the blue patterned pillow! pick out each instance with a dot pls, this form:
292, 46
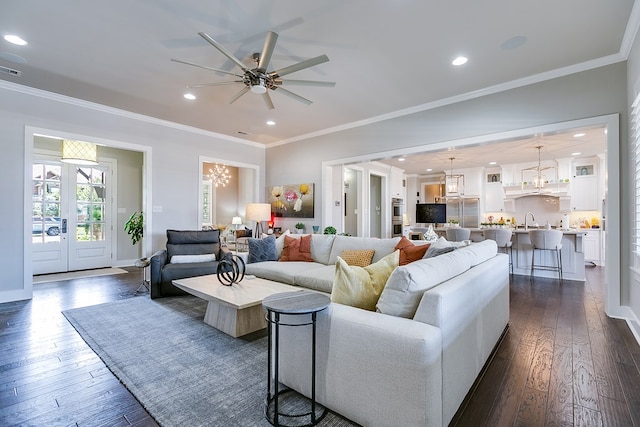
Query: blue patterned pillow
262, 250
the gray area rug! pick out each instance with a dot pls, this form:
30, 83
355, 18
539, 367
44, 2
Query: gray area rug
184, 372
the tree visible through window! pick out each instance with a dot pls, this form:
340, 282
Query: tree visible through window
90, 204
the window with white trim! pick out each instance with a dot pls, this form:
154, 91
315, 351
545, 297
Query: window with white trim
635, 141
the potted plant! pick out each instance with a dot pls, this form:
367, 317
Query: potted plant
329, 230
300, 228
135, 227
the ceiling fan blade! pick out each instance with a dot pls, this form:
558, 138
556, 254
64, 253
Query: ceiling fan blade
239, 94
299, 66
267, 100
224, 51
293, 95
267, 50
215, 84
305, 83
207, 68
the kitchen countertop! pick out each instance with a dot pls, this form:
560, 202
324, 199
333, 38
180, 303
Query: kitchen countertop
522, 230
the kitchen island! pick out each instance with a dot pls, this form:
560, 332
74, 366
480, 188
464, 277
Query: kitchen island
573, 267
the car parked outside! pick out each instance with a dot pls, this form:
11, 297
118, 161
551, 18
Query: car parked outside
51, 225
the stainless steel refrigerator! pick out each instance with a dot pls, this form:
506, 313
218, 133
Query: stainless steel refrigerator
465, 210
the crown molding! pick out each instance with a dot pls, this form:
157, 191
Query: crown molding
43, 94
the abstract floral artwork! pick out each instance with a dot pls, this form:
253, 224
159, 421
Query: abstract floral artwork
291, 201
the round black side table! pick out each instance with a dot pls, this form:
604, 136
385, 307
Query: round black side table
297, 303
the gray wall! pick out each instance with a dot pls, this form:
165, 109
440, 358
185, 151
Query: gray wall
173, 162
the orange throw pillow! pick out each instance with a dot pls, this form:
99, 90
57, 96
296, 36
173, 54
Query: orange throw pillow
297, 249
410, 252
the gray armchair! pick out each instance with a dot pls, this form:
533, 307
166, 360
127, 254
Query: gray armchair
184, 245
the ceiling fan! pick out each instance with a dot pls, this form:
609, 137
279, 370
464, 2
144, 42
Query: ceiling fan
258, 79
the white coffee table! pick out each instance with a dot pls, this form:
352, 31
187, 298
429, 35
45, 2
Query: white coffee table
235, 310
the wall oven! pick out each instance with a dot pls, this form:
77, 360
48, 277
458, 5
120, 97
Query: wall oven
397, 209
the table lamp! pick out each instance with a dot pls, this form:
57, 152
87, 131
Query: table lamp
258, 212
236, 221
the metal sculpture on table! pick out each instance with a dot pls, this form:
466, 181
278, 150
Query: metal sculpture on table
231, 270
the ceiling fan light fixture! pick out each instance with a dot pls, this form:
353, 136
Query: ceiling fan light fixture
259, 87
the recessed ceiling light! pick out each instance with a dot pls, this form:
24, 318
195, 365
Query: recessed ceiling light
460, 60
575, 154
578, 135
493, 163
401, 159
429, 170
271, 123
189, 96
11, 38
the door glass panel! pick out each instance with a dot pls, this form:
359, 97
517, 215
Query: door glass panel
90, 207
45, 203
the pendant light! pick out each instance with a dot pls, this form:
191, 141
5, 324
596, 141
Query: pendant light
453, 183
219, 175
79, 152
539, 179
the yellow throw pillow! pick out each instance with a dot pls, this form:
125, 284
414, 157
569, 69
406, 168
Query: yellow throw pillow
357, 257
361, 286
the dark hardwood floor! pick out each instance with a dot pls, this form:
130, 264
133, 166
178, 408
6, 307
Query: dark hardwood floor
562, 361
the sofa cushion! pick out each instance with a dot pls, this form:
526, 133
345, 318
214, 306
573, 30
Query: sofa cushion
361, 286
319, 279
192, 242
321, 247
277, 271
383, 247
357, 257
296, 249
410, 252
480, 252
407, 283
180, 271
262, 250
185, 259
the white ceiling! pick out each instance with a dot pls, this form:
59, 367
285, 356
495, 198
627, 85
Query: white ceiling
385, 56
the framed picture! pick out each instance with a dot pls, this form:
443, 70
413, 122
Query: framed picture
277, 230
493, 177
584, 170
291, 200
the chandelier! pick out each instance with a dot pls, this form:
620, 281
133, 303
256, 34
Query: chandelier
453, 183
219, 175
539, 178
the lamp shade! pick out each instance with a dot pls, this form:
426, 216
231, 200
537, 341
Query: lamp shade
258, 211
236, 220
79, 152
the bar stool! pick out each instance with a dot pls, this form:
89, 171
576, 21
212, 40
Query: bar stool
502, 236
458, 234
546, 240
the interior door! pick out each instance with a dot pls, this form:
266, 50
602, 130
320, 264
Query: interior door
70, 216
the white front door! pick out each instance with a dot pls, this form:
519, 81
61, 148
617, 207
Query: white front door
70, 216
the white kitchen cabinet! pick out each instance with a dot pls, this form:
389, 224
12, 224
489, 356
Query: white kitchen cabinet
591, 246
398, 183
493, 197
584, 193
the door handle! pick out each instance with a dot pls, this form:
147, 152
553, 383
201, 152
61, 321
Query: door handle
64, 225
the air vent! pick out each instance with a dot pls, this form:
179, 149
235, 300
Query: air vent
241, 132
11, 71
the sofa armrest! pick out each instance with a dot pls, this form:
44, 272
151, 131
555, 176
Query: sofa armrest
365, 360
158, 260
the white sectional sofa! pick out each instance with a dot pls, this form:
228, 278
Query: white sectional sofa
413, 361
